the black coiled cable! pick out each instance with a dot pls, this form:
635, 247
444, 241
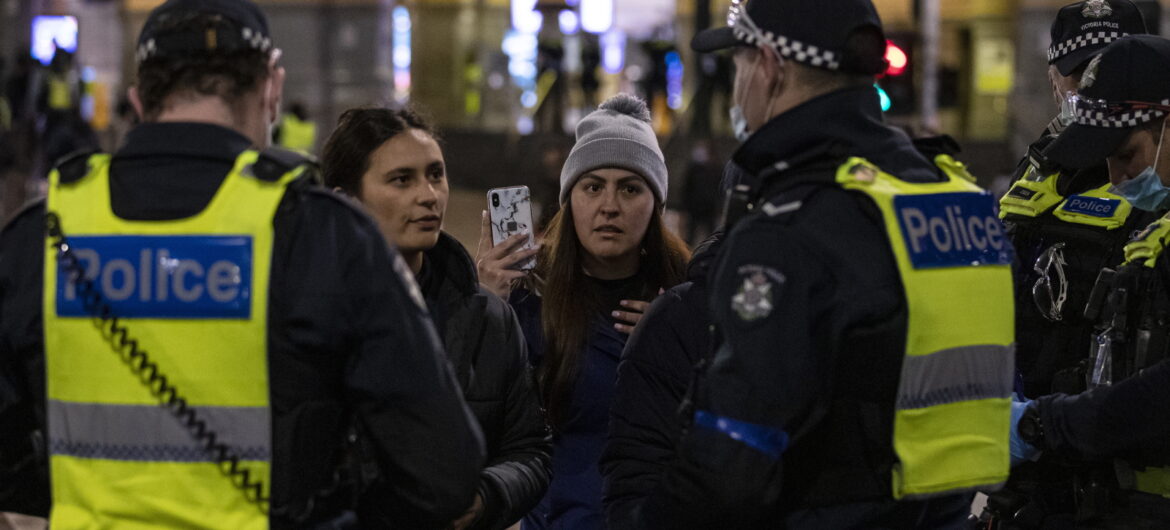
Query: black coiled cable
149, 373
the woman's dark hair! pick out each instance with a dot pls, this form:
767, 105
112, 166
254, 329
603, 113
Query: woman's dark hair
568, 302
225, 75
359, 132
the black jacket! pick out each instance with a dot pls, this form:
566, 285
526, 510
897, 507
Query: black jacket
657, 368
346, 344
819, 364
490, 358
1132, 415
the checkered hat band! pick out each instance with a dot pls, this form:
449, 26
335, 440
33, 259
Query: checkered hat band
1057, 51
1096, 118
252, 39
792, 49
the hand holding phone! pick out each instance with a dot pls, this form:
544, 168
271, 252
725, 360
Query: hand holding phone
506, 246
511, 215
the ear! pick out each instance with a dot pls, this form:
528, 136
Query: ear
274, 93
774, 67
136, 102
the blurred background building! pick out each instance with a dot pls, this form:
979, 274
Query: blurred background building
507, 79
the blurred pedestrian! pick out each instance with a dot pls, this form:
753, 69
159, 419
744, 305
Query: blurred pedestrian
391, 161
297, 130
195, 335
606, 254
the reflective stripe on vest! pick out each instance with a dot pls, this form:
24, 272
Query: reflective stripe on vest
296, 134
952, 411
193, 292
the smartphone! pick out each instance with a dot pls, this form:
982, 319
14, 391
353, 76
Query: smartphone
510, 211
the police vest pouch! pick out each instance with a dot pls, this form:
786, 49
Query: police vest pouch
194, 293
952, 407
1029, 197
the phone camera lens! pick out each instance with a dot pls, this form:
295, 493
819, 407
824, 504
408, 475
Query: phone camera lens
496, 199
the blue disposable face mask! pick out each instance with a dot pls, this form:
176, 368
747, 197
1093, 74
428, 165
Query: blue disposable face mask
739, 121
1146, 191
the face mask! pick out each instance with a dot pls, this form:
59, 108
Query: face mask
1146, 191
739, 122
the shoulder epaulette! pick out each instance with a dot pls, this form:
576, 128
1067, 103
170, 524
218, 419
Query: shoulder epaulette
73, 166
275, 162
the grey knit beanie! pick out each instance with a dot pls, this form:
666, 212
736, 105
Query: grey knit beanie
617, 135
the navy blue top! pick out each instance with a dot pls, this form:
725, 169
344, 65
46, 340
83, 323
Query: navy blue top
573, 500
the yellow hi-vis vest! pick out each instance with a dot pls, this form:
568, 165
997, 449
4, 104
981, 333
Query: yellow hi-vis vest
952, 412
296, 134
194, 293
1033, 197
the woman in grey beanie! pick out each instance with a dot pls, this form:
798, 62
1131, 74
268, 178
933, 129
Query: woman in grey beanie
605, 254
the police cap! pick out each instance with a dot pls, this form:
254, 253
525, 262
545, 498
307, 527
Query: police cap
230, 26
1085, 28
838, 35
1126, 86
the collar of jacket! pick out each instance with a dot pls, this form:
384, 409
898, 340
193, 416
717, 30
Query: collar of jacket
451, 271
183, 139
704, 257
839, 124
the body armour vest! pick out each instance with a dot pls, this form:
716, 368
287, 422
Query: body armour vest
193, 295
950, 431
1061, 244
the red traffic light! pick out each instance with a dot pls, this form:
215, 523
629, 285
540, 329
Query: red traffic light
897, 58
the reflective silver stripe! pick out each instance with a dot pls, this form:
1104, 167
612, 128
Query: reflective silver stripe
959, 374
153, 434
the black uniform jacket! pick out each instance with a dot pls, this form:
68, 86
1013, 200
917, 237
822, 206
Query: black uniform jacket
812, 318
346, 342
656, 370
490, 358
1130, 416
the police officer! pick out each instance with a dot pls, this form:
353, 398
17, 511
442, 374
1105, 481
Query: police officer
1121, 116
1065, 224
864, 366
191, 329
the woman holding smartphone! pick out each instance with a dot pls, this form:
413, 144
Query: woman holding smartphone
391, 162
604, 256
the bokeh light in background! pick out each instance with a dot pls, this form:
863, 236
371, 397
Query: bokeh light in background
402, 54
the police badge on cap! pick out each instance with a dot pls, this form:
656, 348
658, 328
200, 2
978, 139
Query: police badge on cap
1083, 29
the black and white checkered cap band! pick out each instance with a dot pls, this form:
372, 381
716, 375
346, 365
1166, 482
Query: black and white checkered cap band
1133, 118
255, 40
790, 48
1057, 51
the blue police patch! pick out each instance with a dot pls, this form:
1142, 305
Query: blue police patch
163, 276
952, 230
1091, 206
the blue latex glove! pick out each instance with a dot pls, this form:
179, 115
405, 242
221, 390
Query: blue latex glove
1021, 451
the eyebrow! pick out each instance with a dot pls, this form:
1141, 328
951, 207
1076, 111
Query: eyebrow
624, 180
408, 170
